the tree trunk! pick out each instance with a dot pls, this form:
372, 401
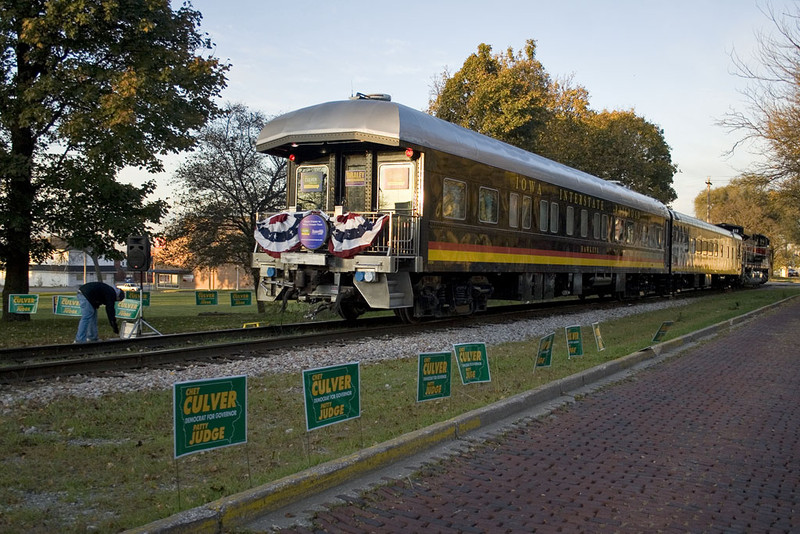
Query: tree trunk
98, 272
19, 185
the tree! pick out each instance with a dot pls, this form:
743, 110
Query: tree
512, 98
626, 148
98, 211
752, 201
502, 96
226, 184
118, 83
771, 118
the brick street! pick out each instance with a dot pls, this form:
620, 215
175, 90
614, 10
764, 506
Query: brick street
704, 442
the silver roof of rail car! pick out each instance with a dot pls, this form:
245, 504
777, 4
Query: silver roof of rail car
699, 223
393, 124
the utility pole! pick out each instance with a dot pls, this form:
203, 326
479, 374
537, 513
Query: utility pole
708, 199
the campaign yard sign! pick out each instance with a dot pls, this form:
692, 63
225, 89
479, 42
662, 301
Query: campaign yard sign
209, 414
598, 338
127, 309
26, 304
662, 331
433, 376
332, 394
574, 341
544, 356
473, 362
205, 298
64, 305
241, 298
134, 295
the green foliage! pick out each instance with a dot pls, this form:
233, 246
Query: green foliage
760, 206
226, 183
109, 83
512, 98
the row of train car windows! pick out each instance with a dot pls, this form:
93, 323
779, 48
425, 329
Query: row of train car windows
520, 215
703, 247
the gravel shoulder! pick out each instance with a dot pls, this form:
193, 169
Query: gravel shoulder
368, 350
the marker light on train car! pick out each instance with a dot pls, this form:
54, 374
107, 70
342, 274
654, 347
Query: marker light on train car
365, 276
270, 271
292, 157
409, 152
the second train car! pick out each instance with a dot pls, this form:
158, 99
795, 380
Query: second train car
391, 208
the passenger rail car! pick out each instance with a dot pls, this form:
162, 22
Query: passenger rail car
391, 208
756, 255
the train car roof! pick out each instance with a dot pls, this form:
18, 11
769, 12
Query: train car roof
699, 223
393, 124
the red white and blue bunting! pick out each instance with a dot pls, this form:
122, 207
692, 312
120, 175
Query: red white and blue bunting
352, 233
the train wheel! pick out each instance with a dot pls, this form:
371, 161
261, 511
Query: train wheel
349, 308
406, 315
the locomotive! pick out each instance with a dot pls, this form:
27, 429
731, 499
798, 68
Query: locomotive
391, 208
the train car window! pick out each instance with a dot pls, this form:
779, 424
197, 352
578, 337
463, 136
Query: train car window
646, 236
596, 226
584, 223
312, 189
454, 199
527, 212
570, 220
619, 229
355, 183
395, 185
629, 232
513, 210
604, 227
488, 200
554, 217
544, 218
693, 246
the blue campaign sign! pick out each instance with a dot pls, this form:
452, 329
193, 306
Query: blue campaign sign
313, 230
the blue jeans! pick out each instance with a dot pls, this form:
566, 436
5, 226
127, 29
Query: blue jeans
87, 327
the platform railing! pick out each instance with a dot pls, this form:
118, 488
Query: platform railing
399, 237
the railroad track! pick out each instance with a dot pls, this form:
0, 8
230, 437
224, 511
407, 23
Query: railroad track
51, 361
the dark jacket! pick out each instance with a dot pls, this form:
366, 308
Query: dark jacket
100, 294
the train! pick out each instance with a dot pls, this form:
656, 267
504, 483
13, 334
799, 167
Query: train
390, 208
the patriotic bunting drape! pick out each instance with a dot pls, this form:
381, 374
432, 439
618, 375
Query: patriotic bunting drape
351, 233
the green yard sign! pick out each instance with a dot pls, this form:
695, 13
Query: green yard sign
473, 362
332, 394
544, 356
134, 295
433, 377
598, 339
64, 305
25, 304
209, 414
205, 298
127, 309
662, 331
574, 341
241, 298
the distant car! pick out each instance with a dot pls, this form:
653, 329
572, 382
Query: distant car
128, 286
791, 272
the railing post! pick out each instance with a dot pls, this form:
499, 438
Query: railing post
391, 234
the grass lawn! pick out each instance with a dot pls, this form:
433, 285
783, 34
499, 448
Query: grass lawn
105, 464
169, 312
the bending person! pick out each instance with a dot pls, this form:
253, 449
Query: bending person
92, 296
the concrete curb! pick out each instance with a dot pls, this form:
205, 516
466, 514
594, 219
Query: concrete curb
236, 510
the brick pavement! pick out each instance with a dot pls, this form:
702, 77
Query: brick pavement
704, 442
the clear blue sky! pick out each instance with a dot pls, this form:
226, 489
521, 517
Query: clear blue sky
669, 61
